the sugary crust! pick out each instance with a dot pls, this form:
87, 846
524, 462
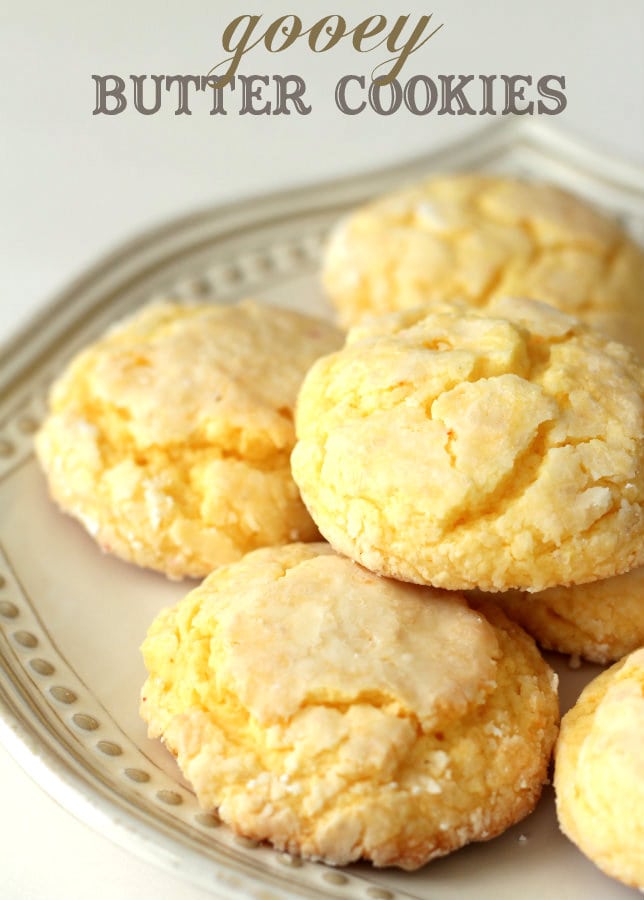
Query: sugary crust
169, 438
366, 742
476, 238
470, 450
599, 771
601, 621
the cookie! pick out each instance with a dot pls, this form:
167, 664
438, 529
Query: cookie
343, 716
599, 771
479, 237
470, 450
169, 438
601, 621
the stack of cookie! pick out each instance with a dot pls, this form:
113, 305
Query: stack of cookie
464, 453
477, 240
484, 243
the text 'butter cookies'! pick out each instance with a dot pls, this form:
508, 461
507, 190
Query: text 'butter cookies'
339, 715
471, 450
169, 438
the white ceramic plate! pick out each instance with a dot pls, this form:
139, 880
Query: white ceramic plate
71, 619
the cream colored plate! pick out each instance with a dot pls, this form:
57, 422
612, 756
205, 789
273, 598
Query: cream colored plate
71, 620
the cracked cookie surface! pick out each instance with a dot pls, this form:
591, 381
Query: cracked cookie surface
476, 238
169, 438
340, 715
601, 621
599, 771
469, 450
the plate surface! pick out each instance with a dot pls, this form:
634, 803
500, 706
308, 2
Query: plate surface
71, 619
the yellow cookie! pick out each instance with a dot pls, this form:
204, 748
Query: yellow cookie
599, 771
472, 450
479, 237
600, 621
169, 438
340, 715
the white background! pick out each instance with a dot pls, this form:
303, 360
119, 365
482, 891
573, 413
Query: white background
74, 185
